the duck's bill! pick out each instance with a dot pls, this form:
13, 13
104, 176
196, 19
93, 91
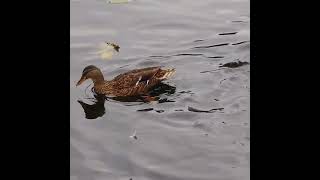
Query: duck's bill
81, 81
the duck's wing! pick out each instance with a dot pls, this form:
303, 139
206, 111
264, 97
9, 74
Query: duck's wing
135, 77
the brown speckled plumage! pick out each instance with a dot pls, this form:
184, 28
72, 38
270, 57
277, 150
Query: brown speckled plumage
132, 83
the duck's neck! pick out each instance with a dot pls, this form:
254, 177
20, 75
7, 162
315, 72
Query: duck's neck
97, 80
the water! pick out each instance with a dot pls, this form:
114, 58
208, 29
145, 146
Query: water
174, 140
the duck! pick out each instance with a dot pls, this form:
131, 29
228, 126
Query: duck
137, 82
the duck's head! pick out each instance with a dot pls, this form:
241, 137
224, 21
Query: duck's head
91, 72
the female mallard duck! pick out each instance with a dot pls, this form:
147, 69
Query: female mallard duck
133, 83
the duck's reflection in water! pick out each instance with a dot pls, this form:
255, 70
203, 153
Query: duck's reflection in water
97, 109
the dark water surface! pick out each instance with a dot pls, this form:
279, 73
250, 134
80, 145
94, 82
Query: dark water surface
200, 128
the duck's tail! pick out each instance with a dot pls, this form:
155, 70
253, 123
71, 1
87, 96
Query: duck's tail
166, 74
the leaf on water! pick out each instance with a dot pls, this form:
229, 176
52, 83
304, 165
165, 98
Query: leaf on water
107, 50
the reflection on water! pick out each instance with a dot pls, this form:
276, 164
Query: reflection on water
97, 109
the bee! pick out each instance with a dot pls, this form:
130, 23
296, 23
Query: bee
107, 50
116, 47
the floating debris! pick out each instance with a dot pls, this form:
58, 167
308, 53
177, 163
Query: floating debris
108, 50
204, 111
234, 64
134, 135
159, 111
216, 99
